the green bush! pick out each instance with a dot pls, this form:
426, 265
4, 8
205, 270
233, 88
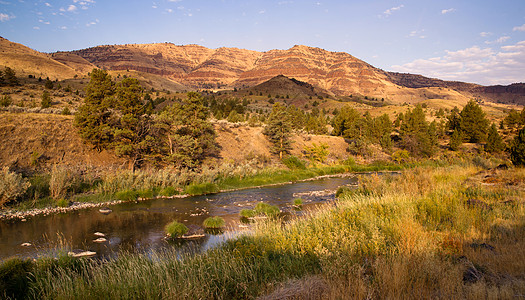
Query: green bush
294, 163
169, 191
175, 229
214, 222
15, 277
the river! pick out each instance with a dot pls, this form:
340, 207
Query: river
139, 226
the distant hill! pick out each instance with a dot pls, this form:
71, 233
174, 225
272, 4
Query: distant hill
283, 86
191, 67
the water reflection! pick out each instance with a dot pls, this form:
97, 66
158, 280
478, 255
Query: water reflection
140, 226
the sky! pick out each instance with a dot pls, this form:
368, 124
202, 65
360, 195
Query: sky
465, 40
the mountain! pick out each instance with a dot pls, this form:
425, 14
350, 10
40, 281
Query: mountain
283, 86
187, 67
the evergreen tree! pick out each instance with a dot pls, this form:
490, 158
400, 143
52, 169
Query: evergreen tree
10, 77
417, 136
474, 125
517, 150
46, 100
131, 129
94, 118
453, 119
455, 140
184, 137
494, 140
345, 123
278, 130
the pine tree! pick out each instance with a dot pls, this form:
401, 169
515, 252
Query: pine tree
279, 130
517, 150
474, 125
10, 77
453, 119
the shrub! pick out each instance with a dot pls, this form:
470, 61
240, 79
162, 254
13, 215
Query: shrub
60, 181
14, 278
298, 202
401, 156
12, 186
62, 203
294, 163
214, 222
169, 191
66, 111
517, 151
5, 101
175, 229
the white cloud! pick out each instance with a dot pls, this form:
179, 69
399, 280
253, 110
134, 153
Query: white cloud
169, 10
6, 17
417, 33
262, 11
36, 28
71, 8
389, 11
63, 27
92, 23
499, 40
174, 0
154, 6
47, 4
446, 11
519, 28
487, 66
485, 34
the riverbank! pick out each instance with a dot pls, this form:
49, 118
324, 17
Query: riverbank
263, 178
431, 232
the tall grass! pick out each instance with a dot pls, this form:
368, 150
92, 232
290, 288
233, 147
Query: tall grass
415, 235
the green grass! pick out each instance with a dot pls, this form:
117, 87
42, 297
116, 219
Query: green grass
175, 229
214, 222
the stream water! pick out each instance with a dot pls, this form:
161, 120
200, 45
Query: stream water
140, 226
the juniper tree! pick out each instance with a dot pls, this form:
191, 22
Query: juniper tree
279, 130
45, 100
517, 150
474, 125
494, 140
417, 136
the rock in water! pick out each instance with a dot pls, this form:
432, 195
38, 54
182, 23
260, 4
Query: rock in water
99, 234
105, 210
26, 245
100, 240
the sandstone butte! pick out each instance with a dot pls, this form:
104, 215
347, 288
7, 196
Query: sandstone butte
197, 67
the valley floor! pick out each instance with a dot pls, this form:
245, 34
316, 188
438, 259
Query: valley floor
455, 231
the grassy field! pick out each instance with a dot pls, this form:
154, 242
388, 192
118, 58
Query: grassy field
454, 231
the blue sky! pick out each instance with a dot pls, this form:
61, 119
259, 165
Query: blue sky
473, 41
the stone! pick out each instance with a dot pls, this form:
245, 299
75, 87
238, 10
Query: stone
99, 234
82, 254
100, 240
26, 245
105, 211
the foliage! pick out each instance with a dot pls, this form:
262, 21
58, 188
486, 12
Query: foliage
60, 181
234, 117
316, 152
456, 140
247, 213
15, 278
401, 156
184, 137
515, 119
474, 125
94, 117
297, 201
45, 100
175, 229
48, 84
454, 119
294, 163
12, 186
202, 188
214, 222
9, 77
494, 141
417, 136
278, 130
62, 202
517, 150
